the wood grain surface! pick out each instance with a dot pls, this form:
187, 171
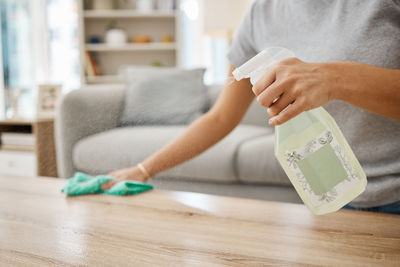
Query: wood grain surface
45, 148
39, 226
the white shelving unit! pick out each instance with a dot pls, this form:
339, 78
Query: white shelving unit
110, 58
131, 47
127, 14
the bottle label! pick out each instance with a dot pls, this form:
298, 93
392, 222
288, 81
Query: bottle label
322, 169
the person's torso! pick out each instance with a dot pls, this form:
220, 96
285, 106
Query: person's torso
364, 31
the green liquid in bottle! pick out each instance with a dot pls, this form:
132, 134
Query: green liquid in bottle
318, 161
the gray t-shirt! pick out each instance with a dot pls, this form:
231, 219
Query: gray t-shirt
364, 31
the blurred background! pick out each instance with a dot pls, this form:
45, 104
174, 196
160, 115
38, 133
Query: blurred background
78, 43
127, 76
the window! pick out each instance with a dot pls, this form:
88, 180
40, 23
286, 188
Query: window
39, 44
16, 49
62, 21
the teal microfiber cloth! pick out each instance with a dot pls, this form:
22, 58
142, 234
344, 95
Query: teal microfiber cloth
82, 184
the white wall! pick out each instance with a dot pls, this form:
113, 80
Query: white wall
224, 14
192, 33
40, 41
2, 100
221, 20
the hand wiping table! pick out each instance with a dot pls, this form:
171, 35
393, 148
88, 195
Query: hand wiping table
82, 184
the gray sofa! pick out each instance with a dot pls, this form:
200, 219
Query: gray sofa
88, 139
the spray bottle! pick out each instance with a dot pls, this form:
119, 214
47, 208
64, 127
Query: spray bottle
311, 148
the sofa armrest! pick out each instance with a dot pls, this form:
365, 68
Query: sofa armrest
82, 113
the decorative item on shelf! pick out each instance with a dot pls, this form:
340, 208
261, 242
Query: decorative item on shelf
102, 4
94, 39
167, 38
141, 39
165, 5
156, 64
91, 65
115, 35
13, 96
126, 4
144, 6
48, 96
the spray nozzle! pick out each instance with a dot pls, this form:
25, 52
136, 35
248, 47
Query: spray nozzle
259, 64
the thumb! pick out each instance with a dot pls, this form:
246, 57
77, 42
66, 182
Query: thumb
108, 185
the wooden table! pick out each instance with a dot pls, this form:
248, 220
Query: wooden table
40, 226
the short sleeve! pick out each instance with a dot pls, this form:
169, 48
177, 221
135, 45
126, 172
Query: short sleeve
242, 48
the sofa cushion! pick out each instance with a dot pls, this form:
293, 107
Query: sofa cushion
256, 162
124, 147
257, 115
163, 96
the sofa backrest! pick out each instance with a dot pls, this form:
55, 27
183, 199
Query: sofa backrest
256, 114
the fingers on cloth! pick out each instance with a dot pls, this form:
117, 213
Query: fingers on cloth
108, 185
113, 174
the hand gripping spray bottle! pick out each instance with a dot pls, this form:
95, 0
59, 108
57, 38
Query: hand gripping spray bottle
311, 148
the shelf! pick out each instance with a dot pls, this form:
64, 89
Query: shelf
110, 58
131, 47
23, 120
99, 14
104, 79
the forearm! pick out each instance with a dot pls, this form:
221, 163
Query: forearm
368, 87
224, 116
198, 137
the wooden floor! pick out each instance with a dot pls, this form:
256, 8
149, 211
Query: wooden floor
39, 226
